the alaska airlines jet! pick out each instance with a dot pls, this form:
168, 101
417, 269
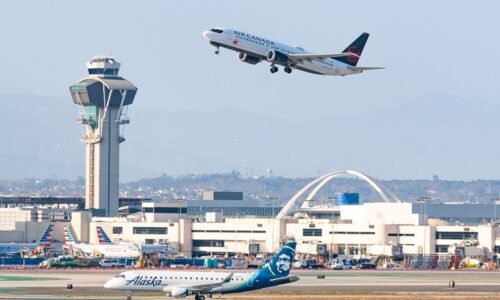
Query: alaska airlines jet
107, 250
145, 248
183, 283
44, 244
253, 49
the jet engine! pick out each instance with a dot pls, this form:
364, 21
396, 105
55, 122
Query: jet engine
248, 59
180, 292
277, 57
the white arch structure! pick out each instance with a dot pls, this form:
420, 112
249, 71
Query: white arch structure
385, 194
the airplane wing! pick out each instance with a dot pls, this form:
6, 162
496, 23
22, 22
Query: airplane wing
365, 68
310, 56
209, 286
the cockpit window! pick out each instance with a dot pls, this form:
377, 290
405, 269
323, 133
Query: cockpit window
216, 30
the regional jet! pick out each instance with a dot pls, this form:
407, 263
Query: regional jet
145, 248
184, 283
107, 250
253, 49
43, 245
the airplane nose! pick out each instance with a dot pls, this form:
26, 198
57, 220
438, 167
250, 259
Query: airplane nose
108, 284
207, 35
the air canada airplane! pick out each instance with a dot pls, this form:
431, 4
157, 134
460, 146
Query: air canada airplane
145, 248
180, 284
44, 244
253, 49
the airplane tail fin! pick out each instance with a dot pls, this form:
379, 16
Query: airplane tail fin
45, 241
68, 237
280, 265
103, 237
357, 48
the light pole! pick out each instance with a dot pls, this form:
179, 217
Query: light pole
273, 198
423, 203
494, 201
333, 206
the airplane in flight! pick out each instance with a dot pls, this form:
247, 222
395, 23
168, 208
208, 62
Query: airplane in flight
145, 248
43, 245
106, 250
253, 49
181, 284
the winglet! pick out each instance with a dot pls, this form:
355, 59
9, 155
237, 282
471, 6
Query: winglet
228, 278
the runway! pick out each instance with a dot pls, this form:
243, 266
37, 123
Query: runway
355, 284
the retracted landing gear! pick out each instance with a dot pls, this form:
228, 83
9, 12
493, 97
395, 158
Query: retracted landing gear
274, 69
288, 69
199, 297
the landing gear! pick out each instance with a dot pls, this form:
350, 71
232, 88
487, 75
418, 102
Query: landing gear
288, 69
274, 69
199, 297
217, 51
129, 296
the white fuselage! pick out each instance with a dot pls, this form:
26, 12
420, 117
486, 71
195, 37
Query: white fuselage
166, 281
13, 248
259, 47
110, 251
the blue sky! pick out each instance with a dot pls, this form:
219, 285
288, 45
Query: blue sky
430, 48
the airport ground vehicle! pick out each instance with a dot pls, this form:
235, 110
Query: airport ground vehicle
111, 263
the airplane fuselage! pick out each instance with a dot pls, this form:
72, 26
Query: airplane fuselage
109, 251
257, 47
169, 281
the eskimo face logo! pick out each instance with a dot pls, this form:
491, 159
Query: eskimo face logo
283, 263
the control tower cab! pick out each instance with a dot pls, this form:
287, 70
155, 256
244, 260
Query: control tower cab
103, 98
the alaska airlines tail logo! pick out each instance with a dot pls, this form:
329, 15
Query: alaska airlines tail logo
280, 264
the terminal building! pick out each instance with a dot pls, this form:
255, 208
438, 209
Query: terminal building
348, 228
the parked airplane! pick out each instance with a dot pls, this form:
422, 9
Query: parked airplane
107, 250
145, 248
44, 244
253, 49
183, 283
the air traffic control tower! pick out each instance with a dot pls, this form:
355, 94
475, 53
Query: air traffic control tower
103, 98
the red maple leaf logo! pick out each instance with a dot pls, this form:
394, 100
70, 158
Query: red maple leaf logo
235, 42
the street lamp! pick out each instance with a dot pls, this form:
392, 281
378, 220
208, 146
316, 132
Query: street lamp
494, 201
333, 206
273, 199
423, 204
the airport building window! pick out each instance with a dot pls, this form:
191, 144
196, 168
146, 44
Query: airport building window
150, 230
312, 232
117, 230
228, 231
441, 248
400, 234
455, 235
352, 232
497, 249
165, 210
208, 243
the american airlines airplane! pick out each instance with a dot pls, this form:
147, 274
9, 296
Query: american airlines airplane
253, 49
180, 284
106, 250
145, 248
44, 244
